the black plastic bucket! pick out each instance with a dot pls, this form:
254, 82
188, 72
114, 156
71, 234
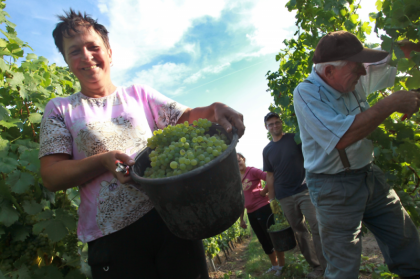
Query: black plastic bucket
200, 203
283, 240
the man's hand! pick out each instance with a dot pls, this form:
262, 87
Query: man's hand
108, 161
407, 102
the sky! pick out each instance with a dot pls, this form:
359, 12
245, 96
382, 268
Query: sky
195, 52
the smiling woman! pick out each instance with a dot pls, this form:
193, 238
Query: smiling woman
83, 135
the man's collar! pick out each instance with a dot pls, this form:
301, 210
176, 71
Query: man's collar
314, 75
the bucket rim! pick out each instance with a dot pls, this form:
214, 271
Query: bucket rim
162, 181
289, 227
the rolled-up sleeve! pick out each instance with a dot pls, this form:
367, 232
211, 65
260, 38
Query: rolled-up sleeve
321, 121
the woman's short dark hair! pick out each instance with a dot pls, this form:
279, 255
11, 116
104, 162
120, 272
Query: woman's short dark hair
240, 154
72, 21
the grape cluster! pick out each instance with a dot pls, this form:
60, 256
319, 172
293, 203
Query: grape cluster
280, 222
181, 148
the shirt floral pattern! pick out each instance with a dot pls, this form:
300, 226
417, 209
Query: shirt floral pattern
82, 126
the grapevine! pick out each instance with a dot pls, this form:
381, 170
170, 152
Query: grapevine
182, 148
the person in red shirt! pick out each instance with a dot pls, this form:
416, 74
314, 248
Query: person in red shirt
258, 209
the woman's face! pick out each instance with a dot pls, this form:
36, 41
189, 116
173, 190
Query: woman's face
241, 162
88, 58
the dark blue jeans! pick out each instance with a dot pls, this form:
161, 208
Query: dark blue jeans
346, 199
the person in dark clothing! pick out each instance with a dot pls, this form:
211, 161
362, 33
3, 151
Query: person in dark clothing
259, 211
283, 162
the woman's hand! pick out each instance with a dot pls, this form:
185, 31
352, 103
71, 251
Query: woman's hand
219, 113
108, 161
228, 117
243, 224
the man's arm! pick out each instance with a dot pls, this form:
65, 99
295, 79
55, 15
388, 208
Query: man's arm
219, 113
367, 121
269, 184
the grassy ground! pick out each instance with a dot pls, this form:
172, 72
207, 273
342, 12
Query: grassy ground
257, 262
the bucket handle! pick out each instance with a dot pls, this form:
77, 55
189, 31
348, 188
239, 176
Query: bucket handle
268, 219
282, 214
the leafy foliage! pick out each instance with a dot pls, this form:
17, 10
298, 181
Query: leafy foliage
215, 244
37, 227
397, 149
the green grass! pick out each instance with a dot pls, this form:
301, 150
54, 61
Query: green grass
258, 262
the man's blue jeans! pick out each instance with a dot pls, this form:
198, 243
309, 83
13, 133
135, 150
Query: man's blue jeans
342, 202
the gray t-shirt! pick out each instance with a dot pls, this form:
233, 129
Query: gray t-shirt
284, 159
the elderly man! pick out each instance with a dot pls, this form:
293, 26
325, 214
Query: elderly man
345, 187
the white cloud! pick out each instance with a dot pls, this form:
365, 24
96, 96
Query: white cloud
162, 76
141, 30
273, 23
103, 8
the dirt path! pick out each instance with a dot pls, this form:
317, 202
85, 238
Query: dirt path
237, 259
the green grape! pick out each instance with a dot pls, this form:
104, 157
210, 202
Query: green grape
183, 147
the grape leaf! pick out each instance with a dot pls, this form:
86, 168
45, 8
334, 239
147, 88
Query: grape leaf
13, 178
31, 56
24, 272
4, 113
35, 118
24, 183
1, 275
66, 218
19, 232
414, 81
31, 207
47, 272
10, 123
8, 164
8, 215
5, 193
56, 230
31, 160
40, 226
75, 274
47, 214
16, 80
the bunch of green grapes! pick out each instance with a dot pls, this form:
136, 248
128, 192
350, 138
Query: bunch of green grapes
275, 207
279, 226
280, 222
182, 148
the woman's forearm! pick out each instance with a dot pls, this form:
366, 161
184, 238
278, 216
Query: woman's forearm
60, 172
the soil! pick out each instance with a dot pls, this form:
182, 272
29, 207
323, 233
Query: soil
236, 261
238, 258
